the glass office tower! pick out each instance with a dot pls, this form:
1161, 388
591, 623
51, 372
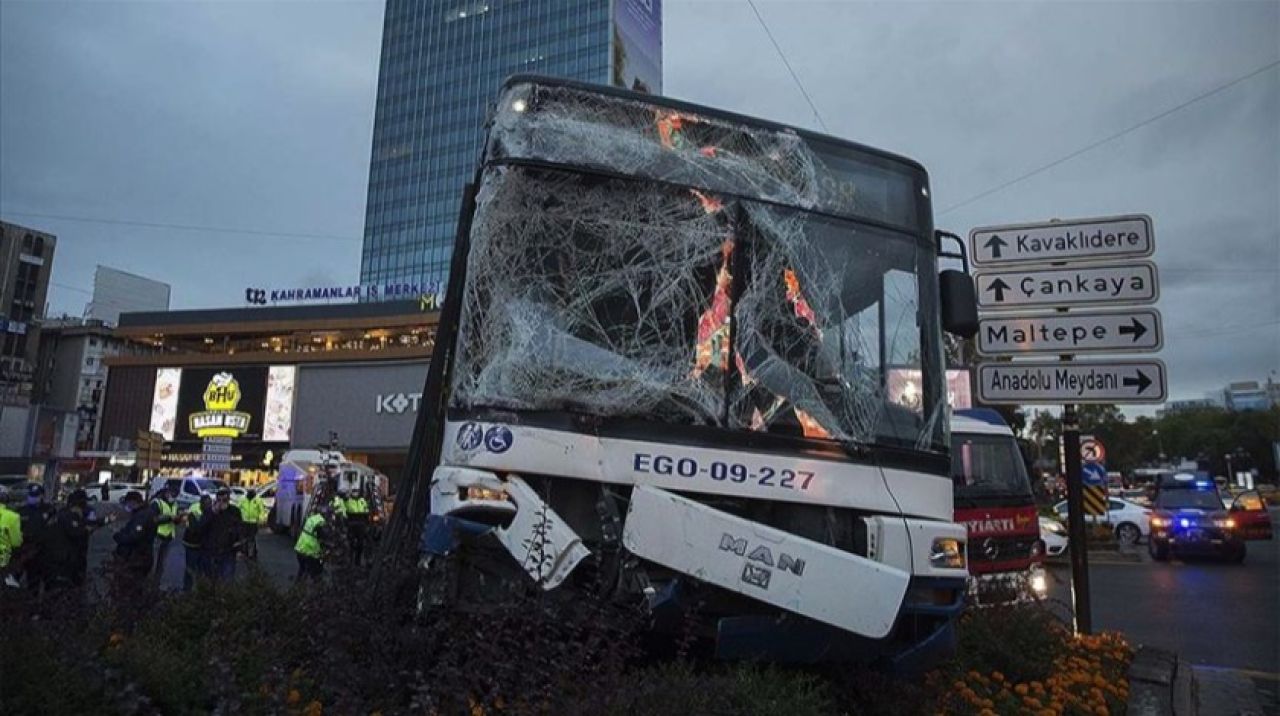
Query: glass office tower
442, 64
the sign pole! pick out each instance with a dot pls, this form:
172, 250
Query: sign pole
1075, 521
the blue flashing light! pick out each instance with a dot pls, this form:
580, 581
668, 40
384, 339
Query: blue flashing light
1185, 522
1201, 485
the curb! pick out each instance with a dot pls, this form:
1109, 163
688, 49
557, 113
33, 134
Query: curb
1160, 684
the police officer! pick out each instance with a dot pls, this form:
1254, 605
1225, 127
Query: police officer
309, 547
167, 516
135, 542
253, 511
357, 510
37, 515
194, 566
339, 503
10, 541
223, 533
66, 544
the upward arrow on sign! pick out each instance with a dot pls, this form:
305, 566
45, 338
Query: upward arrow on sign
995, 243
998, 287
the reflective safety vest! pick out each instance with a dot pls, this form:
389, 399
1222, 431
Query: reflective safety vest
253, 510
339, 505
10, 534
357, 506
308, 541
170, 510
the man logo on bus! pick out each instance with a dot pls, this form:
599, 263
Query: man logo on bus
469, 436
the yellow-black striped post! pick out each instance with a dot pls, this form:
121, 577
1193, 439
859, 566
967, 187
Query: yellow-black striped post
1095, 500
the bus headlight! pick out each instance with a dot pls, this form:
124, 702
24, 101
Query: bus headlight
479, 492
947, 553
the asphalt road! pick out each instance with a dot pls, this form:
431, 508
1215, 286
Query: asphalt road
275, 556
1211, 613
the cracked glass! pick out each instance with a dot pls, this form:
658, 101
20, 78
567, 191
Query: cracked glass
687, 278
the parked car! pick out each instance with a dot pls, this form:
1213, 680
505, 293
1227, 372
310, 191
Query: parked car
1054, 535
1131, 521
115, 491
187, 489
13, 488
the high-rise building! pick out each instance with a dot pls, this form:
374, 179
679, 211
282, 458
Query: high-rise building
116, 292
26, 262
442, 65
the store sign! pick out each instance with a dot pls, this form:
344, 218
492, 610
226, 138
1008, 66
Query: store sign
396, 403
430, 293
220, 417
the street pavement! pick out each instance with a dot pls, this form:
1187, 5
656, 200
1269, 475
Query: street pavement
1224, 619
275, 557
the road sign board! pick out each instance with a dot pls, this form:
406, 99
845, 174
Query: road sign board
1095, 500
1139, 381
1135, 331
1125, 284
1110, 237
1093, 473
1092, 451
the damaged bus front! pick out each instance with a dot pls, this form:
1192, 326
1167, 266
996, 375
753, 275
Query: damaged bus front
696, 358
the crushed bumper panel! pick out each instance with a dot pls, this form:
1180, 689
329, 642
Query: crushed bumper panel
789, 572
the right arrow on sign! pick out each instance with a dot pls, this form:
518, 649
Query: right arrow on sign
1075, 382
1086, 331
1142, 382
1135, 329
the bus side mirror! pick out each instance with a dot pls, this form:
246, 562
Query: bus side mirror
959, 303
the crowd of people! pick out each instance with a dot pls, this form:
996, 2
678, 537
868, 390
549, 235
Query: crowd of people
45, 548
48, 548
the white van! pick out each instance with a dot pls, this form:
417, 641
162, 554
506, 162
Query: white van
188, 489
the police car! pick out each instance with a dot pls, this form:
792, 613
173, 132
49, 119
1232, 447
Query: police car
1188, 518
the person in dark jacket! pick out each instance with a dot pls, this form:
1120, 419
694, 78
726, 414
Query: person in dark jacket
65, 550
37, 517
136, 541
196, 566
222, 533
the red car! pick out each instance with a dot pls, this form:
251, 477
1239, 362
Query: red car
1188, 518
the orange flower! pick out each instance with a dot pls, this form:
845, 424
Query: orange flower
314, 708
295, 696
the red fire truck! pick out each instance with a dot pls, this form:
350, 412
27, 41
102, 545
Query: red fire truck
993, 500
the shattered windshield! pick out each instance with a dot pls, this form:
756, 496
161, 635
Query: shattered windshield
633, 299
634, 260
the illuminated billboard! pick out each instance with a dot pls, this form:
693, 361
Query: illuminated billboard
240, 402
637, 45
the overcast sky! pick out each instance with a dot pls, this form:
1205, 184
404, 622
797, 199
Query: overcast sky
258, 116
